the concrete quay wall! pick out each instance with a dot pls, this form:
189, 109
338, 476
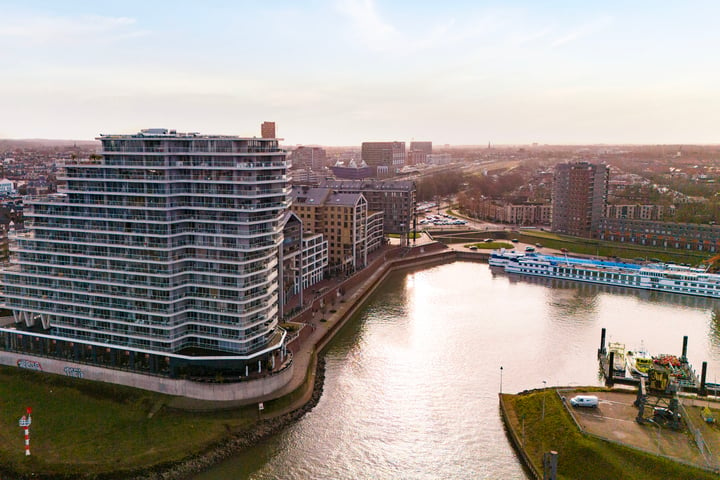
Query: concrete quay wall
237, 391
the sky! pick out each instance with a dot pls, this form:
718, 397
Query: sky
340, 72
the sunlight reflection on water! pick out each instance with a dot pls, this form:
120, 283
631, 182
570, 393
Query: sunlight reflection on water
411, 384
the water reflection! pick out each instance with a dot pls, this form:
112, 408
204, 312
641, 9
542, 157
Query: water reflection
714, 326
591, 289
411, 383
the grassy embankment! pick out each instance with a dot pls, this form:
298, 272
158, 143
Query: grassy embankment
410, 235
81, 428
587, 246
602, 248
580, 456
491, 245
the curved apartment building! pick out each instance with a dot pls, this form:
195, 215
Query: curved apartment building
158, 255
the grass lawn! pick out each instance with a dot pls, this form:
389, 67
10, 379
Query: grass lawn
581, 456
490, 245
83, 428
410, 235
588, 246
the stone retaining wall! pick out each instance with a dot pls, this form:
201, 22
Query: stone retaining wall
244, 390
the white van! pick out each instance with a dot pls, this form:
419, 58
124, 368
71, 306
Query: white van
584, 401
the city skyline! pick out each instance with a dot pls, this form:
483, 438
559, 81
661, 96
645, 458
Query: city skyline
340, 72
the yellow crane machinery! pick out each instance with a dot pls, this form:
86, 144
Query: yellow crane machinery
657, 400
658, 379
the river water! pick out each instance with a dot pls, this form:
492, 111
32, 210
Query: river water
412, 381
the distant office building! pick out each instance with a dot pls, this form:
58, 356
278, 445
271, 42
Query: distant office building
415, 157
306, 176
425, 147
395, 198
439, 159
385, 157
159, 256
419, 152
267, 130
579, 198
352, 171
313, 158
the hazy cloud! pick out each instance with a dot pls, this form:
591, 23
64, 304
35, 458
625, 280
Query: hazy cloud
39, 29
582, 31
365, 20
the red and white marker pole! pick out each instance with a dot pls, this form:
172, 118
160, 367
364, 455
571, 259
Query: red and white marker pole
25, 422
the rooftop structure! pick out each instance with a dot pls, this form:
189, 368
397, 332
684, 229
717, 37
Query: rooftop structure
267, 130
313, 158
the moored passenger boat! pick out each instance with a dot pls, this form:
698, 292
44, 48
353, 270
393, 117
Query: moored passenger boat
500, 258
657, 276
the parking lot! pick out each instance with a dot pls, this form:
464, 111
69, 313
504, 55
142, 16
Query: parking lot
442, 219
614, 419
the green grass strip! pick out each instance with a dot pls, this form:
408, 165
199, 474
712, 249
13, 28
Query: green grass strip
580, 456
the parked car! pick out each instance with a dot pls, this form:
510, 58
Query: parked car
584, 401
488, 240
515, 240
529, 249
472, 247
538, 245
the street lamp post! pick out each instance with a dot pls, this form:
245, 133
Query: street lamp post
501, 369
543, 402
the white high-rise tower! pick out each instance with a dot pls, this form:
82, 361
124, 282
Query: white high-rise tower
158, 255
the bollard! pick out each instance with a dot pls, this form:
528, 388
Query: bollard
601, 351
550, 464
25, 422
